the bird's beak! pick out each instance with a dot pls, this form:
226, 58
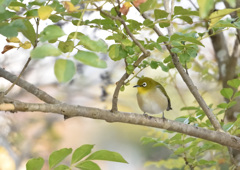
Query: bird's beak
137, 86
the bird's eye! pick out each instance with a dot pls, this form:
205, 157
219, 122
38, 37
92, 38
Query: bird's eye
144, 84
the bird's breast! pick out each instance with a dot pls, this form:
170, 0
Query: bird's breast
152, 102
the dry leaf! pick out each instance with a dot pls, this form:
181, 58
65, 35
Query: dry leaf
7, 48
125, 8
136, 3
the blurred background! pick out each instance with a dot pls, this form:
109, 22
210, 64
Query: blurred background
27, 135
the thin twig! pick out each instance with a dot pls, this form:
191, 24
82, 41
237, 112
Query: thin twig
26, 64
193, 4
140, 59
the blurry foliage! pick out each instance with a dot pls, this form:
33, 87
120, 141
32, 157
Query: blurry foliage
58, 156
187, 151
190, 152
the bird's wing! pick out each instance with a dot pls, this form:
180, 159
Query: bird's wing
165, 93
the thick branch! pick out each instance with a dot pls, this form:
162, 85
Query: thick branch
130, 118
28, 87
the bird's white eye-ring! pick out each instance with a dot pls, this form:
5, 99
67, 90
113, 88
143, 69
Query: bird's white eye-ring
144, 84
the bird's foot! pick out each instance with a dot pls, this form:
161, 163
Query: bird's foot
147, 116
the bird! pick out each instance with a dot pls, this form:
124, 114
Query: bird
152, 97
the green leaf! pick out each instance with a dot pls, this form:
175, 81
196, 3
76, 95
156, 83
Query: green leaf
51, 32
35, 164
90, 58
107, 156
189, 108
222, 105
44, 51
234, 83
205, 6
130, 69
237, 94
178, 10
217, 15
179, 37
8, 30
32, 13
17, 4
62, 167
162, 39
148, 23
55, 18
57, 156
126, 42
179, 151
11, 30
75, 2
186, 19
176, 50
227, 93
58, 7
164, 23
231, 103
4, 4
29, 31
149, 4
66, 46
146, 140
75, 35
164, 68
192, 52
134, 25
184, 57
6, 15
64, 70
154, 64
206, 162
97, 46
178, 136
116, 53
87, 165
81, 152
158, 13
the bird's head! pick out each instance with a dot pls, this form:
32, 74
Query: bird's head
145, 84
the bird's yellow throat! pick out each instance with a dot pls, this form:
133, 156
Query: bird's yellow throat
142, 90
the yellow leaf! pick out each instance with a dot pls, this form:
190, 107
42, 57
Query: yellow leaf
70, 7
13, 40
217, 15
127, 4
44, 12
25, 45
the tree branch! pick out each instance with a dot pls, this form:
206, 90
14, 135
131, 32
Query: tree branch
188, 81
124, 117
28, 87
26, 64
126, 75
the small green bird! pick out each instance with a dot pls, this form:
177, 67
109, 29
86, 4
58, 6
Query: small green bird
152, 97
